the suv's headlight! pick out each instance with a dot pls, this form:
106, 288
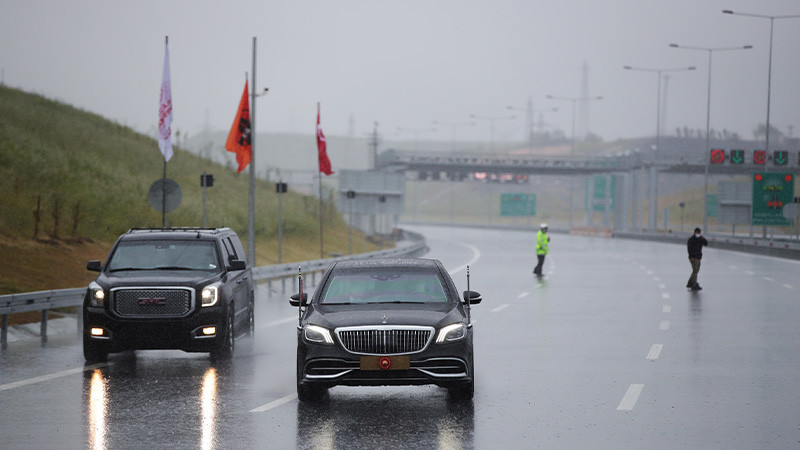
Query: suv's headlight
452, 332
97, 296
210, 294
314, 333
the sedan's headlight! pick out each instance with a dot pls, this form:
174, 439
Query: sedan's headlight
314, 333
451, 333
97, 296
210, 294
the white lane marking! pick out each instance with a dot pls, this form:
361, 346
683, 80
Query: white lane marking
476, 255
664, 295
733, 267
656, 279
768, 279
788, 286
664, 325
662, 286
750, 272
649, 272
630, 398
52, 376
275, 403
278, 322
666, 309
500, 308
655, 350
523, 295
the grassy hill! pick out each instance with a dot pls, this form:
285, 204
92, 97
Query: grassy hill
87, 180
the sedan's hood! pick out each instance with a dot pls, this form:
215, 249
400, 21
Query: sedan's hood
386, 315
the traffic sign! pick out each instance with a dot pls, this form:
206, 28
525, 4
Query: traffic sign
760, 157
518, 204
780, 157
771, 192
717, 156
737, 156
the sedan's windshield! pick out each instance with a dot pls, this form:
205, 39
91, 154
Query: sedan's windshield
384, 287
162, 255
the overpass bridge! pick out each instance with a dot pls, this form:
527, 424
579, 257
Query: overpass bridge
625, 168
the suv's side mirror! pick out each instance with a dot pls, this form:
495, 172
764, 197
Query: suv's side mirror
474, 297
237, 264
297, 299
94, 266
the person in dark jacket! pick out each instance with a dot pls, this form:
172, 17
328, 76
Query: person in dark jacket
695, 247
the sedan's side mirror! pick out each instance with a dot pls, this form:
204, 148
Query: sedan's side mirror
473, 297
299, 299
237, 264
94, 266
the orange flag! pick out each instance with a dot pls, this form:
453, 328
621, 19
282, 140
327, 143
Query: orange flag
239, 137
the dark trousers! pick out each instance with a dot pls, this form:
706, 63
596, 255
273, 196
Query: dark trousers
695, 270
538, 269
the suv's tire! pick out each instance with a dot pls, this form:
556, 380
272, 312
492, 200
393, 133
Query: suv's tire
94, 352
224, 348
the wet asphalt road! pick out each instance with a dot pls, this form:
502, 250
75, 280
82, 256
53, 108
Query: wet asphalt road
608, 350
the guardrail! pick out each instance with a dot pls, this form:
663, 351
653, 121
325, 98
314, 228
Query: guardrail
412, 244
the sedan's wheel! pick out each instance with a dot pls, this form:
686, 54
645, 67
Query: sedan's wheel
224, 349
94, 351
462, 392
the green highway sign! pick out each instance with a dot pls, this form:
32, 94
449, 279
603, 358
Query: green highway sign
771, 192
517, 205
712, 205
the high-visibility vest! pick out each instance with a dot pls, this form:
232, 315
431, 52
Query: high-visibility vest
541, 243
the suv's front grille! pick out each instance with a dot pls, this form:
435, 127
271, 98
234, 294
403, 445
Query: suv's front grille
385, 340
152, 302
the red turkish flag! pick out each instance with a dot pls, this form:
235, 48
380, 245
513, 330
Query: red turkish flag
239, 138
324, 162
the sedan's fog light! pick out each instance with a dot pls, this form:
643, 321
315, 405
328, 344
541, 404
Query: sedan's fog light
209, 331
97, 331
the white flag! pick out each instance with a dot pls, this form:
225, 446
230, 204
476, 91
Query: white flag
165, 110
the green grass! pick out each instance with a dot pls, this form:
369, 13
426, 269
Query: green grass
76, 161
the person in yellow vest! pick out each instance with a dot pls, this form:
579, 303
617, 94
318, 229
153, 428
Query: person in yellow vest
542, 243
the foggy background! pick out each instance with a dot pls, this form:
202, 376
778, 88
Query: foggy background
407, 64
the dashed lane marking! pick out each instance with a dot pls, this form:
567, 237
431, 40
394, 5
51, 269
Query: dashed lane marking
662, 286
666, 309
664, 326
654, 352
788, 286
768, 279
630, 398
500, 308
275, 403
664, 295
523, 295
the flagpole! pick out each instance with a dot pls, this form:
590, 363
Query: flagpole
251, 208
319, 172
164, 176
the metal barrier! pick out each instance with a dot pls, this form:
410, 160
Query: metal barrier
412, 245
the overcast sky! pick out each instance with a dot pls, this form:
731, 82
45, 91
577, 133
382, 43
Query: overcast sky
407, 63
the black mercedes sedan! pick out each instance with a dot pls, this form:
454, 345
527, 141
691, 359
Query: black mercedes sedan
375, 322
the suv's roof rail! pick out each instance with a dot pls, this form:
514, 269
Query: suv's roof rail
156, 230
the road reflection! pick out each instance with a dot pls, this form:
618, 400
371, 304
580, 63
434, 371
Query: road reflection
356, 418
97, 410
134, 401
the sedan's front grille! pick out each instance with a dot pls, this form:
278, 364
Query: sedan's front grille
385, 340
152, 302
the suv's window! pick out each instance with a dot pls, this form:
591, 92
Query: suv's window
175, 255
383, 287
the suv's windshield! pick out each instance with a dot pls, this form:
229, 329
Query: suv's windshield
383, 287
164, 255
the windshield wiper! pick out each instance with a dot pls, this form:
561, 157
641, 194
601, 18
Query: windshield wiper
173, 268
129, 268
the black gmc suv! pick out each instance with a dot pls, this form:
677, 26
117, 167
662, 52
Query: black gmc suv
169, 288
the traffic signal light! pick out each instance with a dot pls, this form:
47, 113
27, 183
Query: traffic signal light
760, 157
780, 157
737, 156
717, 156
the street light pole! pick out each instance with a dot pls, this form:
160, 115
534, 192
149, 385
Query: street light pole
654, 169
491, 120
710, 51
530, 111
769, 66
574, 100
